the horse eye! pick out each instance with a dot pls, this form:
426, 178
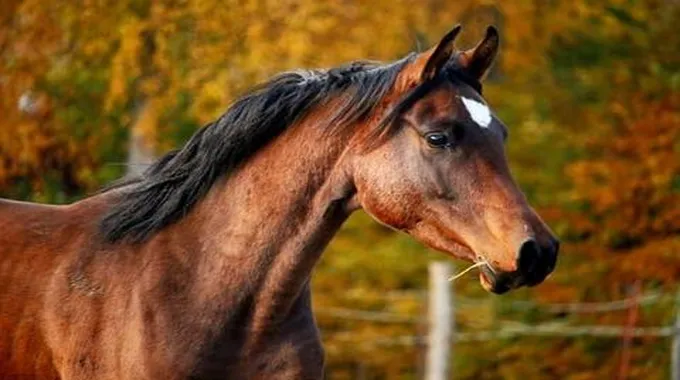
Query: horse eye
437, 140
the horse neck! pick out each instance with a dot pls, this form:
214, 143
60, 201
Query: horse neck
263, 229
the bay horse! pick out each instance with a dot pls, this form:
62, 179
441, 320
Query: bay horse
200, 267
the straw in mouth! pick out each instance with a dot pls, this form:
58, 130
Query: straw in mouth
471, 267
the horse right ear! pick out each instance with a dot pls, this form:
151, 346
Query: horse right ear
427, 65
478, 60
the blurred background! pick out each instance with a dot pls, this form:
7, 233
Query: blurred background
589, 91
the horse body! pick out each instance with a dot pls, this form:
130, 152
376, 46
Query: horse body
235, 304
25, 231
200, 269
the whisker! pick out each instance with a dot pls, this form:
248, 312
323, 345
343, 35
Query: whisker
471, 267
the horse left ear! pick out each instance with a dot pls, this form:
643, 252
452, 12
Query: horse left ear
439, 55
427, 65
478, 60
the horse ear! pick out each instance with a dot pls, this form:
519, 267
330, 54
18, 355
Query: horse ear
439, 55
428, 64
479, 59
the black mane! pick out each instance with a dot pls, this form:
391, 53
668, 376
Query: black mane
171, 186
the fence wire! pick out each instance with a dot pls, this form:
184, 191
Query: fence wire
517, 329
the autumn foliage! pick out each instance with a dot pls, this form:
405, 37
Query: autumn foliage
589, 90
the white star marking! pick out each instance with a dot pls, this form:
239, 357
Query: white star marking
479, 112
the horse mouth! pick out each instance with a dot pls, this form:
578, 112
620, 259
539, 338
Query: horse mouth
493, 282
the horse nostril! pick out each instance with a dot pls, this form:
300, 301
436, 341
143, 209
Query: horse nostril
552, 251
555, 244
529, 256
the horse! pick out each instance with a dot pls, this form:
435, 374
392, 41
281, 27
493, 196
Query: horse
200, 267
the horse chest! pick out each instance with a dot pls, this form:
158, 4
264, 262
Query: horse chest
291, 350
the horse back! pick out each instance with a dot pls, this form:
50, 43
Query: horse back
33, 239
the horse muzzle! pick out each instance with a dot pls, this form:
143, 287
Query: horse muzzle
534, 263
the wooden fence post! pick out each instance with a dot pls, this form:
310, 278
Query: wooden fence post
675, 345
627, 339
440, 318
